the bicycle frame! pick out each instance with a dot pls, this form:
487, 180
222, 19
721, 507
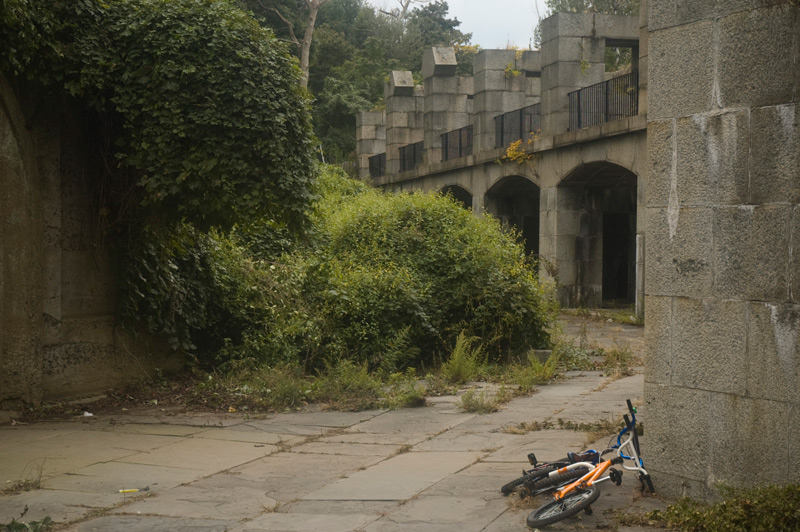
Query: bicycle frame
596, 472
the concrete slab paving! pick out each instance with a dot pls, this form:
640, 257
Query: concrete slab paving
200, 454
397, 478
316, 470
147, 523
288, 476
110, 477
221, 497
278, 522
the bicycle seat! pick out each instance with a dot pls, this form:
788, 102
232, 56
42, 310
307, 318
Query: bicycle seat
590, 456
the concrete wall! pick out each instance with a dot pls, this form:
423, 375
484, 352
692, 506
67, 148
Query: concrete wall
57, 290
722, 380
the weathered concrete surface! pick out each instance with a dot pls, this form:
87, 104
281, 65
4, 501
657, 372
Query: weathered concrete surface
428, 469
722, 265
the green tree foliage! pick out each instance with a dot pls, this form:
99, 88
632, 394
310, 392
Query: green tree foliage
355, 46
202, 116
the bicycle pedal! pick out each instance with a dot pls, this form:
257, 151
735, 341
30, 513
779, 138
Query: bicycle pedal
615, 475
588, 510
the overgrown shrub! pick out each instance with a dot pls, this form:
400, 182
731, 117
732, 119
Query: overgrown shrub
422, 265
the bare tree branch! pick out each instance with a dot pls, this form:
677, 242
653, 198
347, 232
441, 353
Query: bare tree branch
289, 25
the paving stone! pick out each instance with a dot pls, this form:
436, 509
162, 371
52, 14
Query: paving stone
288, 476
465, 513
110, 477
381, 439
146, 523
60, 505
223, 497
320, 419
278, 522
200, 454
413, 420
244, 433
466, 440
352, 449
22, 435
155, 429
398, 478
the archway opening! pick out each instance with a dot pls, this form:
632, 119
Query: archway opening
461, 195
515, 201
601, 217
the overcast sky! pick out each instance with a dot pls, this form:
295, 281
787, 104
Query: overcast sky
493, 23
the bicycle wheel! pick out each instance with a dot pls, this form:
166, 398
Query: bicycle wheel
554, 511
551, 483
531, 475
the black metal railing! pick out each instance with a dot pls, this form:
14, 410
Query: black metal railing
604, 102
411, 156
377, 165
457, 143
518, 124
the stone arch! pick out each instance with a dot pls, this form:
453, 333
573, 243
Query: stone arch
515, 201
459, 193
597, 219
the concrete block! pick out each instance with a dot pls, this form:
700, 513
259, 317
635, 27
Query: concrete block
752, 252
441, 85
569, 74
621, 27
775, 154
439, 61
689, 11
489, 80
370, 118
466, 85
530, 60
745, 78
401, 83
679, 251
713, 150
678, 87
741, 424
658, 332
396, 120
572, 49
794, 440
401, 104
487, 60
566, 25
662, 14
773, 352
795, 257
674, 410
709, 345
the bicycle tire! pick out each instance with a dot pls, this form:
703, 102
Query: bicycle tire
555, 511
532, 474
551, 483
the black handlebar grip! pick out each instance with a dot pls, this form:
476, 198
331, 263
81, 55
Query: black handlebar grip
630, 406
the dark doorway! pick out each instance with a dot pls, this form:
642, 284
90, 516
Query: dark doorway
515, 202
618, 258
459, 194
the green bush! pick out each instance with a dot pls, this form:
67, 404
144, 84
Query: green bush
421, 264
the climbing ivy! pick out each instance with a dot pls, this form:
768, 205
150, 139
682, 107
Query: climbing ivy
205, 120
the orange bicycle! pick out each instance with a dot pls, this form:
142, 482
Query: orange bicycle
581, 493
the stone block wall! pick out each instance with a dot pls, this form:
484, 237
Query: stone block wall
722, 381
370, 138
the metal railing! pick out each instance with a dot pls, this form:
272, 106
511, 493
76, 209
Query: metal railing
604, 102
377, 165
411, 156
518, 124
457, 143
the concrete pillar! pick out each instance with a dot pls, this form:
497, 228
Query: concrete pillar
722, 377
505, 80
573, 57
448, 99
370, 138
404, 117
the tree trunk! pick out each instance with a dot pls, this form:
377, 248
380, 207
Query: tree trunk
305, 44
